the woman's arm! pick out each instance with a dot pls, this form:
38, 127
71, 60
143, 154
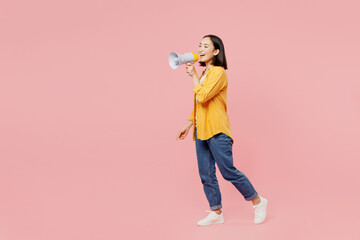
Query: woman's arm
184, 131
190, 69
196, 80
215, 82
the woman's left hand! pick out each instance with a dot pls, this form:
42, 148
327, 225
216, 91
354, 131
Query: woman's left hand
190, 69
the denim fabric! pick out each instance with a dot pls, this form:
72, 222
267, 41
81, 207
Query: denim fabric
218, 149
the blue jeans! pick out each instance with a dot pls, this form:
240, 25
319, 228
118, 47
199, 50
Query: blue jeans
218, 149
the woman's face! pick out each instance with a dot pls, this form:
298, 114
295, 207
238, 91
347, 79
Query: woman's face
207, 50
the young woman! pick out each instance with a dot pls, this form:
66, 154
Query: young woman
212, 133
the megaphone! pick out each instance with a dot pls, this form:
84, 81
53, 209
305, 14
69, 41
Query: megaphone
175, 60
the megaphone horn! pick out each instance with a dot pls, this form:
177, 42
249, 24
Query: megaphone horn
175, 60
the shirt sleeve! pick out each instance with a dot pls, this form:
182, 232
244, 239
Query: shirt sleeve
191, 118
213, 85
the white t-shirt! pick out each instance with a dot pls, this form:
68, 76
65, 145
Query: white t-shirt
202, 79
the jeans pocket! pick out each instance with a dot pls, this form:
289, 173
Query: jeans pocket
223, 137
224, 142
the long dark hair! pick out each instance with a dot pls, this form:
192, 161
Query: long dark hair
220, 59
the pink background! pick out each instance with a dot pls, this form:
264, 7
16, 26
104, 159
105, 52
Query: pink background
90, 110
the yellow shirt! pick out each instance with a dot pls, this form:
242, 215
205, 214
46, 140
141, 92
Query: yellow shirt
210, 106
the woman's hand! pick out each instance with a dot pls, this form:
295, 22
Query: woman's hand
184, 131
190, 69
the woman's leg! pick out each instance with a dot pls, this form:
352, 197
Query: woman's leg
206, 164
221, 148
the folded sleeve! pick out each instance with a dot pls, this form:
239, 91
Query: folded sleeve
215, 82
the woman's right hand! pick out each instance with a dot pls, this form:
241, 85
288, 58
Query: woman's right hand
190, 69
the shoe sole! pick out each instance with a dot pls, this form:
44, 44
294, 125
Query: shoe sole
218, 222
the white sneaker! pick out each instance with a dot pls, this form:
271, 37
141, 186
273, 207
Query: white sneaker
260, 210
212, 218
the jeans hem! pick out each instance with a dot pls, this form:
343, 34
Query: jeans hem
252, 197
216, 207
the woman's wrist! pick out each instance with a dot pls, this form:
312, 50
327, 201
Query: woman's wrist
189, 123
195, 79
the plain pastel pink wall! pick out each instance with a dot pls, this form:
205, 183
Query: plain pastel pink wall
90, 110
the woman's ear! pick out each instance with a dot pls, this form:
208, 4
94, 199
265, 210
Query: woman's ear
216, 52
